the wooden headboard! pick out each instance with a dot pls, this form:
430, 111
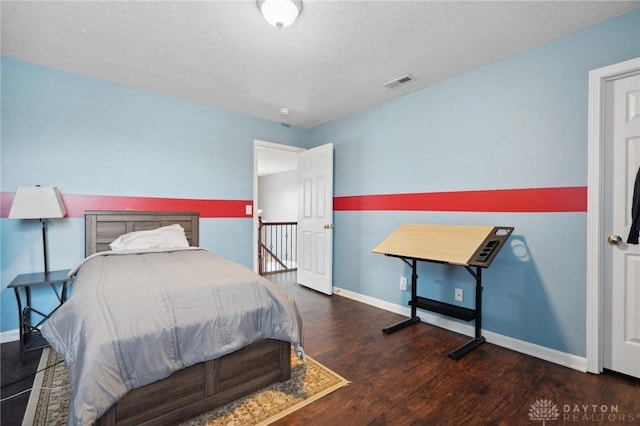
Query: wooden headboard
103, 227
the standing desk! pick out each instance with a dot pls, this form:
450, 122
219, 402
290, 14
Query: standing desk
466, 246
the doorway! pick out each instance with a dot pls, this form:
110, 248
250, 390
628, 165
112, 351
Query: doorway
613, 320
314, 192
270, 159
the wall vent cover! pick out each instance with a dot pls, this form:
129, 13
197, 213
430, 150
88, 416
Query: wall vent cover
399, 81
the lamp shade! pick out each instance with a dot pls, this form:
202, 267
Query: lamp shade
280, 13
37, 202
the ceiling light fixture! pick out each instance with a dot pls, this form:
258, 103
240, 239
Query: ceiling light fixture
280, 13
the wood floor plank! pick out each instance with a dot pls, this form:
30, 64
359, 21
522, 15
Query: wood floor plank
13, 369
406, 378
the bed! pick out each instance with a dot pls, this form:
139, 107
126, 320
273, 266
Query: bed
194, 380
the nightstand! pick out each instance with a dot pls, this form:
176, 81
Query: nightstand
30, 337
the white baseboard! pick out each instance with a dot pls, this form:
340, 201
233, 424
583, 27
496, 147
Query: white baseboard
9, 336
557, 357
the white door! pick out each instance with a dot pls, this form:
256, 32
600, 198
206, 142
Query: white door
315, 219
622, 260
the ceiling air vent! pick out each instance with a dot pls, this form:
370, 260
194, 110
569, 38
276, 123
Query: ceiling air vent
399, 81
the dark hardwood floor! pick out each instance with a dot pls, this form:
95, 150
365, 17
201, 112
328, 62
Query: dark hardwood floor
406, 378
12, 369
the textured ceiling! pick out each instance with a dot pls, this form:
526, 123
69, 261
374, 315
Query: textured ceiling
332, 61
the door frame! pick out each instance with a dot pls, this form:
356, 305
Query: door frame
256, 145
595, 206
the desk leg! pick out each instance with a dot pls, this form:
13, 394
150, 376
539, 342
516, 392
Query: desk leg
466, 348
478, 339
20, 322
63, 296
400, 325
414, 298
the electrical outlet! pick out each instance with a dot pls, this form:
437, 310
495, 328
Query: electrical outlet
403, 283
459, 294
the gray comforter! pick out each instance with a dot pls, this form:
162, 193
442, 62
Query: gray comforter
136, 318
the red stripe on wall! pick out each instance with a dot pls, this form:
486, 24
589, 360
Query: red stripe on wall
6, 198
539, 200
77, 204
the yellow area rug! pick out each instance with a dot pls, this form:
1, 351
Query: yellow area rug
310, 381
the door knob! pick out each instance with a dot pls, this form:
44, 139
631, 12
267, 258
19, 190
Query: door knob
328, 226
614, 240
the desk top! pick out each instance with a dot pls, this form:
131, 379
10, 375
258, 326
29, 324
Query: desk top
35, 278
454, 244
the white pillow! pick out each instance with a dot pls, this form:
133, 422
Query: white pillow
165, 237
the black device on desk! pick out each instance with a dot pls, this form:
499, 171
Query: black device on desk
30, 337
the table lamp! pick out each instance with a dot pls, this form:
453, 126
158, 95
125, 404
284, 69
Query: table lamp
38, 202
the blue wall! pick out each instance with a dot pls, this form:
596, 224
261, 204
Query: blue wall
525, 115
87, 136
517, 123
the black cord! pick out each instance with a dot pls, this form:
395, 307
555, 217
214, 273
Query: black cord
30, 375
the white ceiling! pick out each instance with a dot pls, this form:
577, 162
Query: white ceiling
332, 61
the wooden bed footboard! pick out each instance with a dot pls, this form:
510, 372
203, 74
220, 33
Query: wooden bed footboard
202, 387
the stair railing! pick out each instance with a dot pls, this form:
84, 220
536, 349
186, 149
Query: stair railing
277, 247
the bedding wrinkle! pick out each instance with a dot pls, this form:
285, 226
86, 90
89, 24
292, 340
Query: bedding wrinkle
137, 317
109, 317
109, 364
205, 303
159, 279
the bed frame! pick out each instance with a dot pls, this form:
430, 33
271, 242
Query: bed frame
103, 227
202, 387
